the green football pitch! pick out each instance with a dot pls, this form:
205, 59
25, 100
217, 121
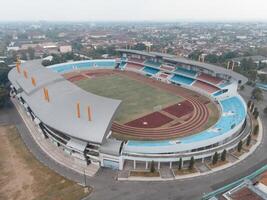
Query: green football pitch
137, 98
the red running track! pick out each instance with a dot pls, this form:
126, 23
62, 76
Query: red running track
199, 118
152, 120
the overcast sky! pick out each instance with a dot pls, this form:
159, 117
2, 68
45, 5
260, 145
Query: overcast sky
132, 10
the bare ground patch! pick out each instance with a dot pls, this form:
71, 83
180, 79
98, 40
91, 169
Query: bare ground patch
22, 177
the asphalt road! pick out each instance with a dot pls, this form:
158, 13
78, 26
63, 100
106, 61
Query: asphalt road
106, 187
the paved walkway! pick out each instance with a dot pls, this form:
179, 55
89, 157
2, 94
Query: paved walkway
50, 149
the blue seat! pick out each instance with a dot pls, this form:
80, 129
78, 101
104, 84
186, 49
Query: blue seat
67, 67
150, 71
182, 80
152, 63
185, 71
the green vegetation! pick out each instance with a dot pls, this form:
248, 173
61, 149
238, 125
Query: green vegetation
249, 104
256, 130
144, 174
257, 94
239, 146
223, 156
3, 84
248, 140
137, 98
262, 78
152, 167
191, 163
215, 158
180, 163
265, 110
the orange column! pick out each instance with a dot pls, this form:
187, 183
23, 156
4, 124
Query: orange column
33, 81
18, 67
47, 95
78, 110
25, 73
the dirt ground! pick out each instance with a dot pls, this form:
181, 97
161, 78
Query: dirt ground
22, 177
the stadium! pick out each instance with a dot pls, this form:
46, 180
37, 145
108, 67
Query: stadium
139, 108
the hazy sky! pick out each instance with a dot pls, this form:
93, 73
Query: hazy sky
133, 10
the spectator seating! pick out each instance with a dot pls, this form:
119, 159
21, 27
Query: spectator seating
167, 67
150, 71
152, 63
187, 72
182, 80
205, 86
134, 66
209, 78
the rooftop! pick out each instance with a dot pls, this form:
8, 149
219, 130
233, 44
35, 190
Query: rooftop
60, 112
173, 58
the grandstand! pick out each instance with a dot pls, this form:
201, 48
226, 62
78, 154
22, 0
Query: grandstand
209, 79
172, 120
182, 80
205, 87
185, 71
150, 71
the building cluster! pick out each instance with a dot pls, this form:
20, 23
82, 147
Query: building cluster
175, 38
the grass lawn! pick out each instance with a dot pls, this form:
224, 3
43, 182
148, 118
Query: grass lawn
137, 98
24, 177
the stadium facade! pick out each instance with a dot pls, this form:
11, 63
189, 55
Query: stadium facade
80, 122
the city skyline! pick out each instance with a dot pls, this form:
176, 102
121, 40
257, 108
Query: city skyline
139, 10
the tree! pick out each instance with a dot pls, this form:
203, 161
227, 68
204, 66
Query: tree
242, 87
223, 156
265, 110
252, 107
24, 56
215, 158
195, 55
140, 46
255, 110
3, 96
263, 78
3, 74
256, 114
46, 63
212, 58
31, 53
256, 130
257, 94
191, 163
180, 163
248, 140
152, 167
239, 146
249, 104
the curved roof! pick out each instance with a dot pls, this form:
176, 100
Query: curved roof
60, 112
173, 58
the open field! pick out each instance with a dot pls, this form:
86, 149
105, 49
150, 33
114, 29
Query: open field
137, 98
22, 177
